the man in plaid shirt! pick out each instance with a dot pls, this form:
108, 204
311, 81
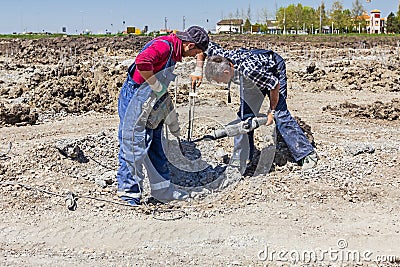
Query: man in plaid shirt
258, 73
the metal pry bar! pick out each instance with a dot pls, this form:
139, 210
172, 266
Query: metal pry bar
192, 100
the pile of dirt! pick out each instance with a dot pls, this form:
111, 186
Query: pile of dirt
17, 114
377, 110
72, 75
89, 158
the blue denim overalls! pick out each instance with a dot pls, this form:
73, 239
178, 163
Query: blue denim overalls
250, 105
139, 144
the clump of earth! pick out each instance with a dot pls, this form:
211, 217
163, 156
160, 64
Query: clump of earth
377, 110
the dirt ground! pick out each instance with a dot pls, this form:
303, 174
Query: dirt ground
345, 212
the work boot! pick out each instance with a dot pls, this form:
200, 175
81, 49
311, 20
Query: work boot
133, 201
174, 194
180, 194
309, 161
132, 198
236, 163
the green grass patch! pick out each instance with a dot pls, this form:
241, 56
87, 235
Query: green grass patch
29, 36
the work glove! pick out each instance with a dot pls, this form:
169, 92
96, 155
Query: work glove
159, 89
197, 76
173, 123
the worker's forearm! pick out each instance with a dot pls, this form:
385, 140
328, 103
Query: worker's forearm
200, 60
155, 84
274, 97
197, 74
148, 75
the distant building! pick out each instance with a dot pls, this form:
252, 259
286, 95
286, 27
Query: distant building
165, 31
376, 23
230, 26
255, 29
273, 26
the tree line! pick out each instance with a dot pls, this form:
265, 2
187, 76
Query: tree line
307, 19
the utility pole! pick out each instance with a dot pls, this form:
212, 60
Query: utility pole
284, 20
320, 17
165, 23
184, 27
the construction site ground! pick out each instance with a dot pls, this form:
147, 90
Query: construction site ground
349, 203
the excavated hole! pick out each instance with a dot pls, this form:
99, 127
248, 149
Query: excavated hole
203, 166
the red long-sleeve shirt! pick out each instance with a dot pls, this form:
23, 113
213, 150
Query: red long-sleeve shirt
154, 57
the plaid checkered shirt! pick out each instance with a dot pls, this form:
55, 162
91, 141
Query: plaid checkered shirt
259, 68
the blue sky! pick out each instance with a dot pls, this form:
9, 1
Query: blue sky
101, 15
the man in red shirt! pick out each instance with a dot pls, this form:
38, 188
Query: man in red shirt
143, 107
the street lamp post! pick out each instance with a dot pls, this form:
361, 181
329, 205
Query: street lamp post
320, 17
284, 20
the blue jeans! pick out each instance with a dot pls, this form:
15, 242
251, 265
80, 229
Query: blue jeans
250, 105
140, 146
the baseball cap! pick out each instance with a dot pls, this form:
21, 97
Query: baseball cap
196, 35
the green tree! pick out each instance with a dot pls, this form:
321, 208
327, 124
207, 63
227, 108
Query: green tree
356, 13
285, 17
392, 24
337, 16
398, 12
398, 20
348, 22
263, 27
357, 9
297, 17
247, 26
321, 17
310, 20
280, 17
289, 17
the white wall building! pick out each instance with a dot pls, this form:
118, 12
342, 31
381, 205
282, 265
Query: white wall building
376, 24
230, 26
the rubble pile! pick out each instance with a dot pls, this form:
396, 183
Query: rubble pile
72, 75
91, 158
77, 75
19, 114
377, 110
